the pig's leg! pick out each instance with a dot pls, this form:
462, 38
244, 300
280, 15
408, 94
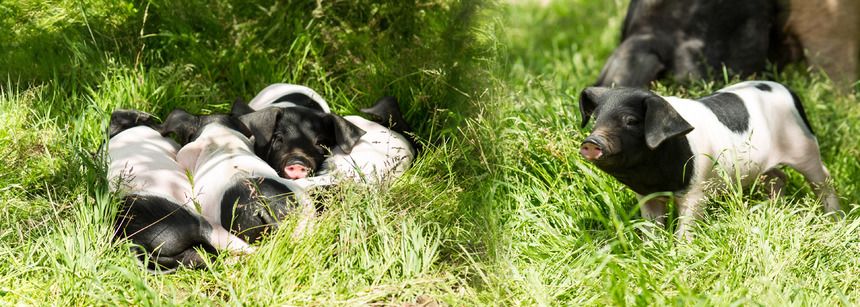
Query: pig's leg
222, 240
654, 210
805, 156
689, 210
774, 180
819, 178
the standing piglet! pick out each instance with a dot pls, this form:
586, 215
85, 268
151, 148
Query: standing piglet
668, 144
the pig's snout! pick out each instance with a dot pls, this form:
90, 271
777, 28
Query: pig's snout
591, 149
296, 168
296, 171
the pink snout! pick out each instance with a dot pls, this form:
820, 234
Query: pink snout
590, 151
296, 171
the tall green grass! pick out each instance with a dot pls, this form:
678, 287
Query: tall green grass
568, 232
498, 210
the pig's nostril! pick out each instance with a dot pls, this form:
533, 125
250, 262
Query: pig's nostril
296, 171
590, 151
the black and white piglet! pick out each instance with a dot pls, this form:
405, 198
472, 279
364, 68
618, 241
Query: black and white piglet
234, 188
381, 155
301, 142
294, 128
658, 144
157, 212
295, 140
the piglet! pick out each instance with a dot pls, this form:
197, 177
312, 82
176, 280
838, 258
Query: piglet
669, 144
156, 210
235, 189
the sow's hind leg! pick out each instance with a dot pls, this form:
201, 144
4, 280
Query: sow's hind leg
799, 150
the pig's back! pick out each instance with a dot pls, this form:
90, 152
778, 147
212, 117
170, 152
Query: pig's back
222, 158
741, 127
144, 162
778, 121
380, 154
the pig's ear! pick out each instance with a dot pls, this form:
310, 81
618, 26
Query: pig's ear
123, 119
182, 124
240, 107
386, 112
588, 101
346, 134
262, 125
662, 122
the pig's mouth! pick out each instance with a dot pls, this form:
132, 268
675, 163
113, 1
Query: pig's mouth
596, 150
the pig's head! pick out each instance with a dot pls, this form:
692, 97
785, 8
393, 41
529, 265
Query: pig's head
123, 119
187, 127
296, 140
630, 124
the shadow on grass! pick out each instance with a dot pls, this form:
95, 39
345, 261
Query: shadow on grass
200, 55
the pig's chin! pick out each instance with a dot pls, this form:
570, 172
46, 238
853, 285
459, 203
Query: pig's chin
610, 161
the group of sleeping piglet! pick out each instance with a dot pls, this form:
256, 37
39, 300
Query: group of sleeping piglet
218, 183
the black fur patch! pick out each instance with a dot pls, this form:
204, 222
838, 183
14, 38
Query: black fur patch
763, 87
667, 168
799, 106
729, 109
123, 119
386, 112
255, 206
166, 231
300, 99
689, 40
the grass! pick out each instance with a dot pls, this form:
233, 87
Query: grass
498, 210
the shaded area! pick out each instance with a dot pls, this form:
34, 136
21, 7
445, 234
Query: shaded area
69, 64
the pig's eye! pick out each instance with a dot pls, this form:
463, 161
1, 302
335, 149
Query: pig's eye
631, 121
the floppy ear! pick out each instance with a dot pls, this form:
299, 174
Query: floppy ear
662, 122
262, 125
188, 154
240, 107
588, 101
234, 123
122, 119
181, 123
346, 134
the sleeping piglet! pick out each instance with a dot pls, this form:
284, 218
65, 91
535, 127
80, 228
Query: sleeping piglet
157, 213
236, 190
669, 144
